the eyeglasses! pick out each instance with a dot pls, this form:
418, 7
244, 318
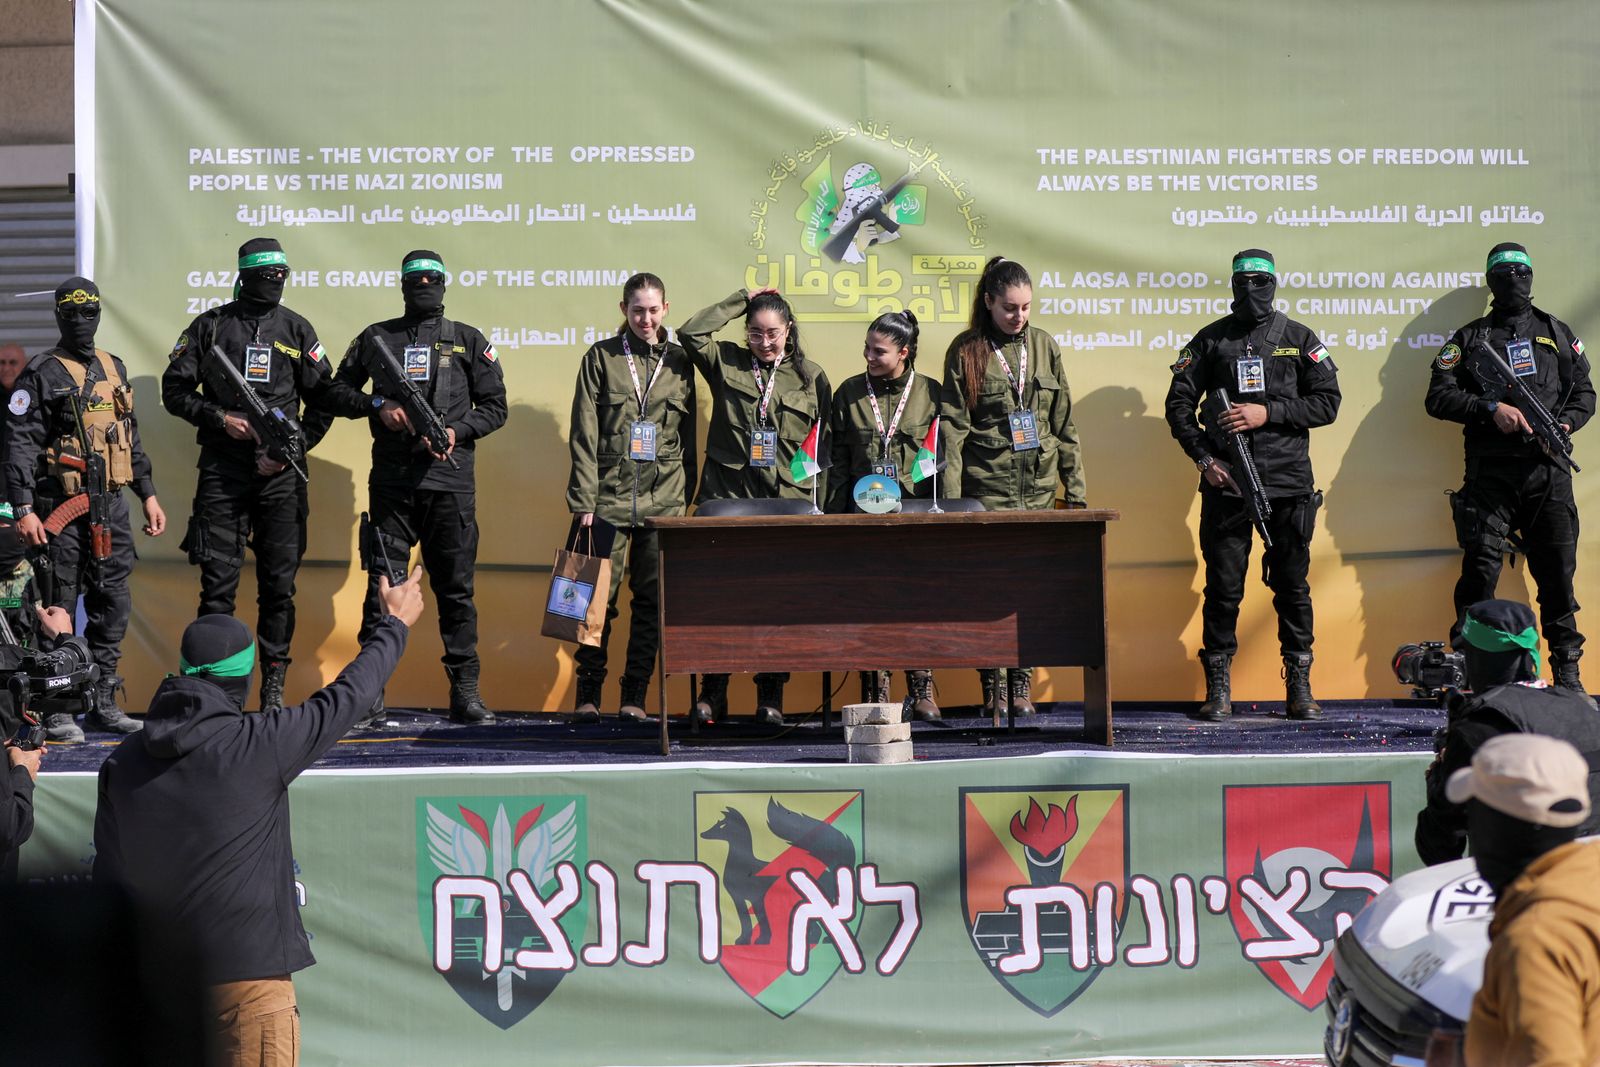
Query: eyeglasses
426, 277
1516, 270
1254, 281
272, 274
767, 335
89, 312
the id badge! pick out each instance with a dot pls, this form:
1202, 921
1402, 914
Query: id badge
642, 441
885, 470
417, 363
1024, 431
1252, 373
763, 448
1519, 353
257, 363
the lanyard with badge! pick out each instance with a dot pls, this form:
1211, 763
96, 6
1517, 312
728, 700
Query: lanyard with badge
886, 433
641, 432
257, 361
1024, 427
764, 438
1251, 371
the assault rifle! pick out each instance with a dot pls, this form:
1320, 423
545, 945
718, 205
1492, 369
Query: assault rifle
424, 420
277, 430
1556, 442
94, 500
374, 554
1244, 462
872, 208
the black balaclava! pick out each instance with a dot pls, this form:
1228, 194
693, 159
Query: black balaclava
1253, 304
256, 256
1513, 293
12, 548
422, 301
78, 315
1500, 644
1505, 845
219, 649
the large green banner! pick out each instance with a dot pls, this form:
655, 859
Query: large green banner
862, 158
969, 911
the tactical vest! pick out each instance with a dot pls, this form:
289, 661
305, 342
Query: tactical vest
107, 423
1555, 713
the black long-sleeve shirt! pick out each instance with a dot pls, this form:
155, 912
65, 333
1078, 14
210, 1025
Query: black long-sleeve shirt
16, 817
193, 814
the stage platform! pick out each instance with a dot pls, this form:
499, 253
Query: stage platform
424, 738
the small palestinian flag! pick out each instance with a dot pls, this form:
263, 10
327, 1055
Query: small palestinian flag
1317, 354
926, 465
804, 466
317, 354
1577, 346
490, 354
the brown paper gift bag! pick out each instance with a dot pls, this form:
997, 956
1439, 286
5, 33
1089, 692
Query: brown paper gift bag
579, 587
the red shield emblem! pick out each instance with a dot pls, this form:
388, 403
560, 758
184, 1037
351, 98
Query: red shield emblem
1302, 860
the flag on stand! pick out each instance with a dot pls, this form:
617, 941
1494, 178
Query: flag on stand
926, 465
804, 466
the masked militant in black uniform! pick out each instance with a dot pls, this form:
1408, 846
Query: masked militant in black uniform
431, 378
251, 489
1266, 382
71, 445
1517, 495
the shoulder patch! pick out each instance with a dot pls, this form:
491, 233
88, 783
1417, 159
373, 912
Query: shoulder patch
181, 347
1318, 354
19, 402
1548, 342
316, 353
1290, 351
292, 353
1577, 346
490, 355
1448, 357
1185, 358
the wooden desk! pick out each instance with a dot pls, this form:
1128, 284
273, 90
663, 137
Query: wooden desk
895, 592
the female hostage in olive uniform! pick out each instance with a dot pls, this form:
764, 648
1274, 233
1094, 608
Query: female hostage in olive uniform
632, 429
765, 397
879, 420
1007, 424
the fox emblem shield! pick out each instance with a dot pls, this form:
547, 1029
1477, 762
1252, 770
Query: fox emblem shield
756, 843
485, 839
1301, 861
1044, 876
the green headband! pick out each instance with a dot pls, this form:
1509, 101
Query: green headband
412, 266
6, 512
1482, 636
263, 259
1510, 255
238, 665
871, 177
1253, 265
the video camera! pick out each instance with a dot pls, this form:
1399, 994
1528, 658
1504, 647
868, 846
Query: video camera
1432, 671
45, 683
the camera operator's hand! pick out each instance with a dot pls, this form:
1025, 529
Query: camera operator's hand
1508, 419
32, 530
403, 601
26, 758
53, 621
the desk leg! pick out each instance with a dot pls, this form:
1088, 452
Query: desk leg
1097, 704
661, 698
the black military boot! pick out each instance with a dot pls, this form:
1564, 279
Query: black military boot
60, 728
633, 694
712, 706
994, 693
1298, 701
272, 674
1219, 688
466, 706
374, 716
1564, 666
1021, 684
769, 701
588, 709
919, 696
874, 687
104, 715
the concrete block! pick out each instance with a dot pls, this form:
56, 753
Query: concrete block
893, 752
876, 734
870, 714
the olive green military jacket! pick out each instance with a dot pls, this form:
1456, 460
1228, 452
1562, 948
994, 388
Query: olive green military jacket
982, 462
857, 445
798, 401
604, 408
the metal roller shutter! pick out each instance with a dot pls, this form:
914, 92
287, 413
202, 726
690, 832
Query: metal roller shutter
38, 240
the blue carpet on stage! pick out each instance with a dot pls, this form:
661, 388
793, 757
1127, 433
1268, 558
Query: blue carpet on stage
428, 739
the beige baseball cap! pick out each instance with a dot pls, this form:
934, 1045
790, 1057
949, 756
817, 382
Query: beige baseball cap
1538, 779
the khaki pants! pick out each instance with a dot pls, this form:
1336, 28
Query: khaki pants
254, 1024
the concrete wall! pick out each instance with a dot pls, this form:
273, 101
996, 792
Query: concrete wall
36, 86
